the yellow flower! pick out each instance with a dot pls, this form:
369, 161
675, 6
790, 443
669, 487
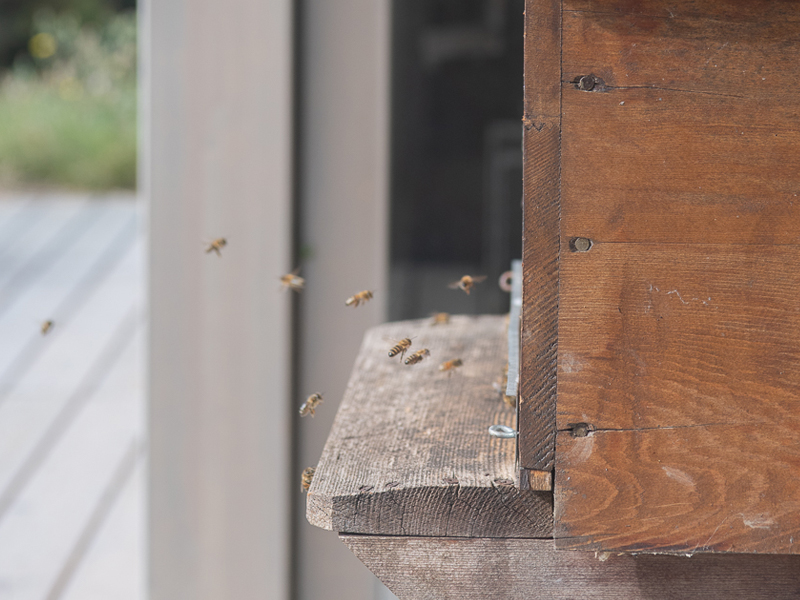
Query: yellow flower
42, 45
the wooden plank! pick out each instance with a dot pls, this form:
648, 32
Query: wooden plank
682, 361
54, 232
409, 452
61, 289
49, 395
540, 241
52, 520
692, 135
114, 566
467, 569
109, 497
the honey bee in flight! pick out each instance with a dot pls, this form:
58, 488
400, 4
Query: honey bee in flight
46, 327
293, 281
466, 283
450, 365
358, 298
217, 245
417, 356
308, 476
400, 348
441, 318
310, 404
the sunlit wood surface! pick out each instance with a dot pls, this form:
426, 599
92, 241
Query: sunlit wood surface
71, 401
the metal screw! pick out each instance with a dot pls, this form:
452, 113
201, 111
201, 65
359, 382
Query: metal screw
581, 244
586, 83
502, 431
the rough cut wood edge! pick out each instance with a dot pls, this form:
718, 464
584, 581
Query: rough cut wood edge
541, 231
536, 480
466, 569
409, 452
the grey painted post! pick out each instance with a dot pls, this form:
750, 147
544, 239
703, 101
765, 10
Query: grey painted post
216, 161
344, 226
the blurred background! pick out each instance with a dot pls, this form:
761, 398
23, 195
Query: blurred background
150, 445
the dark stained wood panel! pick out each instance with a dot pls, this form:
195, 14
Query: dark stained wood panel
683, 362
477, 569
540, 242
692, 131
409, 452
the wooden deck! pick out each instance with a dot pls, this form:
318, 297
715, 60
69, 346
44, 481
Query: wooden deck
72, 421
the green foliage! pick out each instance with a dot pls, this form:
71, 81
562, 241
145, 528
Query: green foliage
68, 118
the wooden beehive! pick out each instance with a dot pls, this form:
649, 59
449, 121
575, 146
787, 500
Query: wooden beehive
661, 325
660, 337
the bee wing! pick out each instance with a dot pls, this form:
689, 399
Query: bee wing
296, 271
478, 279
455, 285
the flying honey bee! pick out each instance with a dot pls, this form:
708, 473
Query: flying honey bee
293, 281
417, 356
308, 475
46, 327
441, 318
400, 348
217, 245
310, 404
358, 298
466, 282
450, 365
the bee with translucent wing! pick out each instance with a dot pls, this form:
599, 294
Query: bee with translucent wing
358, 298
307, 477
400, 348
450, 365
217, 245
466, 283
293, 281
441, 318
417, 356
311, 403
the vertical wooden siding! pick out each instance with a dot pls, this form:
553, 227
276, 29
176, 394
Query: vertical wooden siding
678, 330
540, 242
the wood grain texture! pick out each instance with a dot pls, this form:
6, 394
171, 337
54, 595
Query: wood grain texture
683, 361
476, 569
693, 134
540, 242
409, 452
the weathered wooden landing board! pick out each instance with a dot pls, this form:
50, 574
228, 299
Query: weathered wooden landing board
678, 332
476, 569
409, 452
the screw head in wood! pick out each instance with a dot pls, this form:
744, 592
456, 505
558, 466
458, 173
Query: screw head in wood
580, 429
580, 244
586, 83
